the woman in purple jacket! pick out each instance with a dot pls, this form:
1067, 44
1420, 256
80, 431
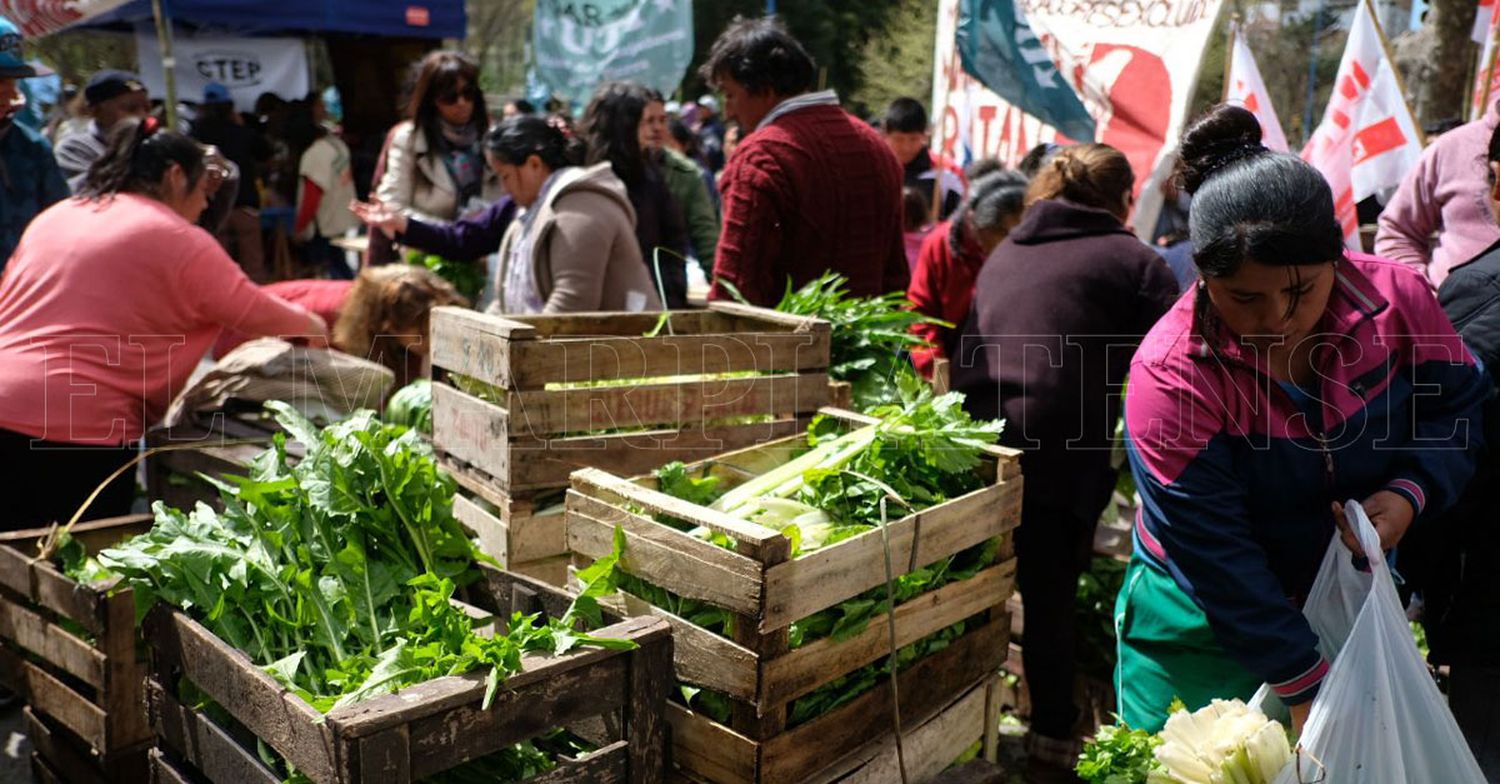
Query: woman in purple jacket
1294, 376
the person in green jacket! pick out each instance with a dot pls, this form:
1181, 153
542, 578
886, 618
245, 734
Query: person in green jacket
685, 181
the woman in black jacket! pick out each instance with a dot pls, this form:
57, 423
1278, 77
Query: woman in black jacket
1059, 309
619, 125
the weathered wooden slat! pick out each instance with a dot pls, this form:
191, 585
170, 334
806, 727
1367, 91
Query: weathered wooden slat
541, 414
473, 431
468, 732
284, 721
929, 748
788, 677
206, 746
649, 675
66, 762
52, 698
709, 750
164, 772
32, 632
612, 489
701, 657
823, 578
719, 581
123, 695
540, 362
925, 688
609, 765
519, 536
63, 595
788, 320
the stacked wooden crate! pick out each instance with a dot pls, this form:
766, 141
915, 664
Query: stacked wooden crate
611, 698
766, 590
218, 444
701, 375
69, 650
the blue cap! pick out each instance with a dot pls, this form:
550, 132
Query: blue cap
213, 92
12, 65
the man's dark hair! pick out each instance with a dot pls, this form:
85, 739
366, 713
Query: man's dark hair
905, 115
524, 106
762, 56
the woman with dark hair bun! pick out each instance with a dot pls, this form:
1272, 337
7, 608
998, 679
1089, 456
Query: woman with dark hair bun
566, 235
105, 308
620, 126
1058, 306
1284, 383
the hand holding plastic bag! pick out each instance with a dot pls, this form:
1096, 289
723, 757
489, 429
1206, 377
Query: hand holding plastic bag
1378, 717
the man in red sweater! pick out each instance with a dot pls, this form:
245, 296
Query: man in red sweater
810, 188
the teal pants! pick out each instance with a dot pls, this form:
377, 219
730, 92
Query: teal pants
1167, 652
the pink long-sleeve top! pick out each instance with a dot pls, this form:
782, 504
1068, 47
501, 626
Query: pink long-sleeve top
106, 308
1444, 195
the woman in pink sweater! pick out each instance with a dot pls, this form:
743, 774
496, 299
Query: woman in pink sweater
105, 309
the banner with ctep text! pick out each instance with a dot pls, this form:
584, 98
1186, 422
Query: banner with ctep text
247, 66
1134, 64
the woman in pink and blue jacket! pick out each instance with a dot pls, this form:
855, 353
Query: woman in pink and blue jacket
1294, 376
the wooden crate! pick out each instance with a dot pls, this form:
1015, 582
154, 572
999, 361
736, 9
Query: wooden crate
172, 477
930, 744
423, 729
524, 531
535, 437
766, 591
69, 651
59, 756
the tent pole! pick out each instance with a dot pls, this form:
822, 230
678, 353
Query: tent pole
168, 64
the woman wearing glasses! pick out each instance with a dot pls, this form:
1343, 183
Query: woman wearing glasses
434, 168
105, 308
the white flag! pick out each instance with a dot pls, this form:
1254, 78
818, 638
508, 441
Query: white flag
1246, 88
1482, 21
1368, 139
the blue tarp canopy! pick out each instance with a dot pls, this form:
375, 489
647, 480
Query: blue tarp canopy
408, 18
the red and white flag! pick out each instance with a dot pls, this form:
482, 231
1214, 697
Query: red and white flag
1244, 87
1486, 74
1368, 139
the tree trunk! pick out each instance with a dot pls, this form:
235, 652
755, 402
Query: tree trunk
1452, 54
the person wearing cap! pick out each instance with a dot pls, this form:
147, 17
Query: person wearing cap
111, 96
29, 178
711, 132
220, 125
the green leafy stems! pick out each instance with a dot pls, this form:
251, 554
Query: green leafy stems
336, 574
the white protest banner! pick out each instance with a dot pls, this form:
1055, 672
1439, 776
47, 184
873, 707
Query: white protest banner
247, 66
1368, 139
1244, 87
1133, 62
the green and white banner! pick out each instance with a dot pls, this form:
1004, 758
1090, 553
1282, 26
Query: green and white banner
577, 45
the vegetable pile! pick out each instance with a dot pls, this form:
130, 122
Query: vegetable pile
1225, 742
336, 575
921, 453
869, 336
411, 406
467, 277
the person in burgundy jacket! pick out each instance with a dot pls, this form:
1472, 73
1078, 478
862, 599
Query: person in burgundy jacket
942, 286
1059, 308
809, 188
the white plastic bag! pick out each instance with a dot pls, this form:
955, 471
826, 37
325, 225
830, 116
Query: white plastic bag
1378, 717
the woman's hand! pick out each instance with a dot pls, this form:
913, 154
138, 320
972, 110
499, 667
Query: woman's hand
376, 213
1389, 512
1299, 716
318, 331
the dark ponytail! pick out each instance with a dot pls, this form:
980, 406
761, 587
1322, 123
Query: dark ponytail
136, 157
522, 136
1251, 203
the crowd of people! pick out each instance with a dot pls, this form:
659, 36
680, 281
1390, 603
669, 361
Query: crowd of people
1272, 372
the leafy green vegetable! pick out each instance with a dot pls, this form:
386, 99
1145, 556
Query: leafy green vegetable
467, 277
868, 335
337, 574
411, 406
1118, 755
